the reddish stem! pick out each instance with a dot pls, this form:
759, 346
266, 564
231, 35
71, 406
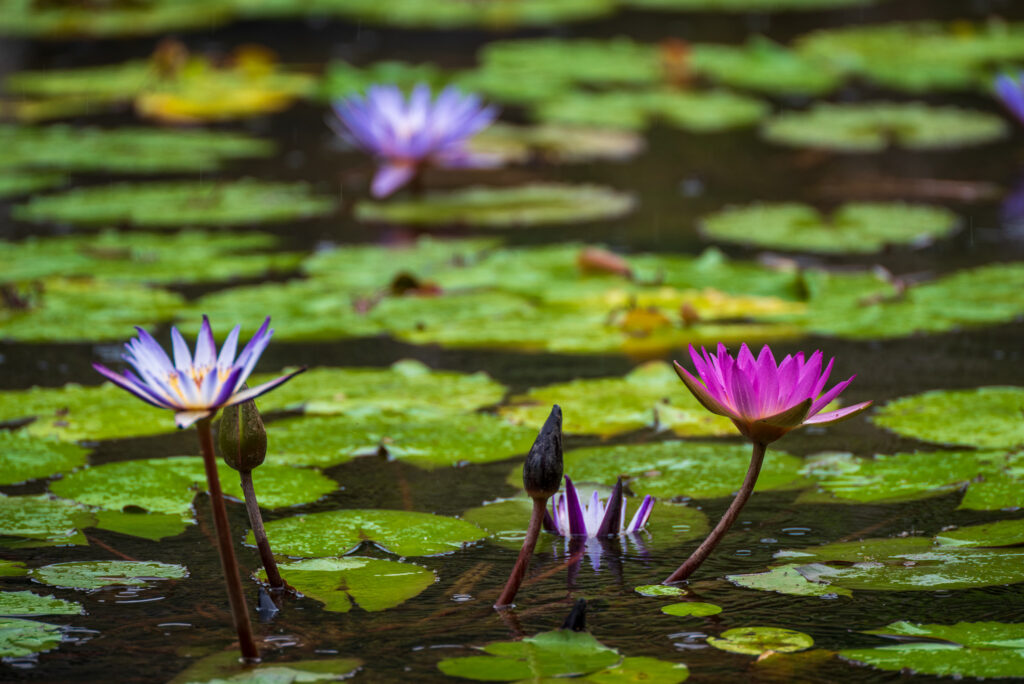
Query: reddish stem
239, 610
704, 550
258, 531
523, 562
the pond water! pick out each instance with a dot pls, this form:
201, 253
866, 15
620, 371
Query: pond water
145, 634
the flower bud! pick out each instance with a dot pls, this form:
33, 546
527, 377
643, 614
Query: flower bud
542, 472
242, 437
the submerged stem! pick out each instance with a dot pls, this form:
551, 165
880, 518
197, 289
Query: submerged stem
523, 562
236, 598
258, 531
707, 546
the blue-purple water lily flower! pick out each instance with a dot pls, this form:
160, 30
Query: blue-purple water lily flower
194, 387
1011, 91
407, 135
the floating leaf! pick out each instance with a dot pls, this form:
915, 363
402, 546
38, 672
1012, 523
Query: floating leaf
170, 204
985, 417
168, 485
965, 649
857, 227
744, 5
12, 568
764, 66
229, 667
691, 609
875, 126
22, 182
335, 533
994, 534
124, 150
42, 521
671, 469
757, 640
524, 206
561, 653
27, 603
20, 638
786, 579
407, 386
342, 79
369, 583
997, 490
554, 144
428, 442
23, 457
99, 574
658, 590
132, 19
154, 526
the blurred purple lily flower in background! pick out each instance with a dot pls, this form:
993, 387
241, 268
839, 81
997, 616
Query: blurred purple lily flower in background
1011, 91
410, 134
194, 387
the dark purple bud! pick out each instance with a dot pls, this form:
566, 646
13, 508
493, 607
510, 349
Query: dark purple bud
542, 472
576, 620
242, 439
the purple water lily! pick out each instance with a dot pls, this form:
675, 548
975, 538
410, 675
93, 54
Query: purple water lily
1011, 91
408, 135
193, 387
596, 518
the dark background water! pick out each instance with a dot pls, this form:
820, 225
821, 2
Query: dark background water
151, 634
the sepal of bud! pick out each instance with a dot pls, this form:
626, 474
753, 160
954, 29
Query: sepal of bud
241, 437
542, 472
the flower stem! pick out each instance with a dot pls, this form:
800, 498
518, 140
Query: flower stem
707, 546
523, 562
258, 531
236, 598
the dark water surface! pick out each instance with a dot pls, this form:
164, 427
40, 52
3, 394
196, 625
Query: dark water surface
150, 635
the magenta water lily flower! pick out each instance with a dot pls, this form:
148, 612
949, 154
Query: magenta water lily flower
763, 398
597, 518
1011, 91
194, 387
410, 134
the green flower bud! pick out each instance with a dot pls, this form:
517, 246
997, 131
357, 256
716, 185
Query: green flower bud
542, 472
242, 437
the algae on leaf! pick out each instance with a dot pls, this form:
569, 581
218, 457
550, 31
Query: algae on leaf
988, 417
372, 584
98, 574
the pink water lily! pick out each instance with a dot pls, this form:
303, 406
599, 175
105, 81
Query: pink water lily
763, 398
194, 387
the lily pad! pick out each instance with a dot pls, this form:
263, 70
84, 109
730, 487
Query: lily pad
154, 526
858, 227
648, 670
658, 590
124, 150
425, 441
132, 19
185, 257
369, 583
555, 144
406, 387
985, 417
672, 469
523, 206
12, 568
342, 79
561, 653
23, 457
27, 603
965, 649
42, 521
20, 638
988, 535
168, 485
335, 533
786, 579
17, 182
691, 609
99, 574
650, 396
875, 126
228, 667
757, 640
745, 5
171, 204
764, 66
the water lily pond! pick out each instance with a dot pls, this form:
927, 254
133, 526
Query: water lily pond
458, 215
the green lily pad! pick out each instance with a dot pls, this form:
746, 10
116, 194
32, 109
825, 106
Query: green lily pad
691, 609
171, 204
17, 182
168, 485
133, 19
757, 640
764, 66
342, 79
994, 534
227, 667
526, 205
335, 533
670, 469
647, 670
423, 440
857, 227
69, 310
561, 653
99, 574
154, 526
555, 144
42, 521
997, 490
27, 603
920, 56
697, 112
104, 83
20, 638
125, 150
745, 5
369, 583
965, 649
985, 417
786, 579
658, 590
12, 568
23, 457
185, 257
875, 126
407, 387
